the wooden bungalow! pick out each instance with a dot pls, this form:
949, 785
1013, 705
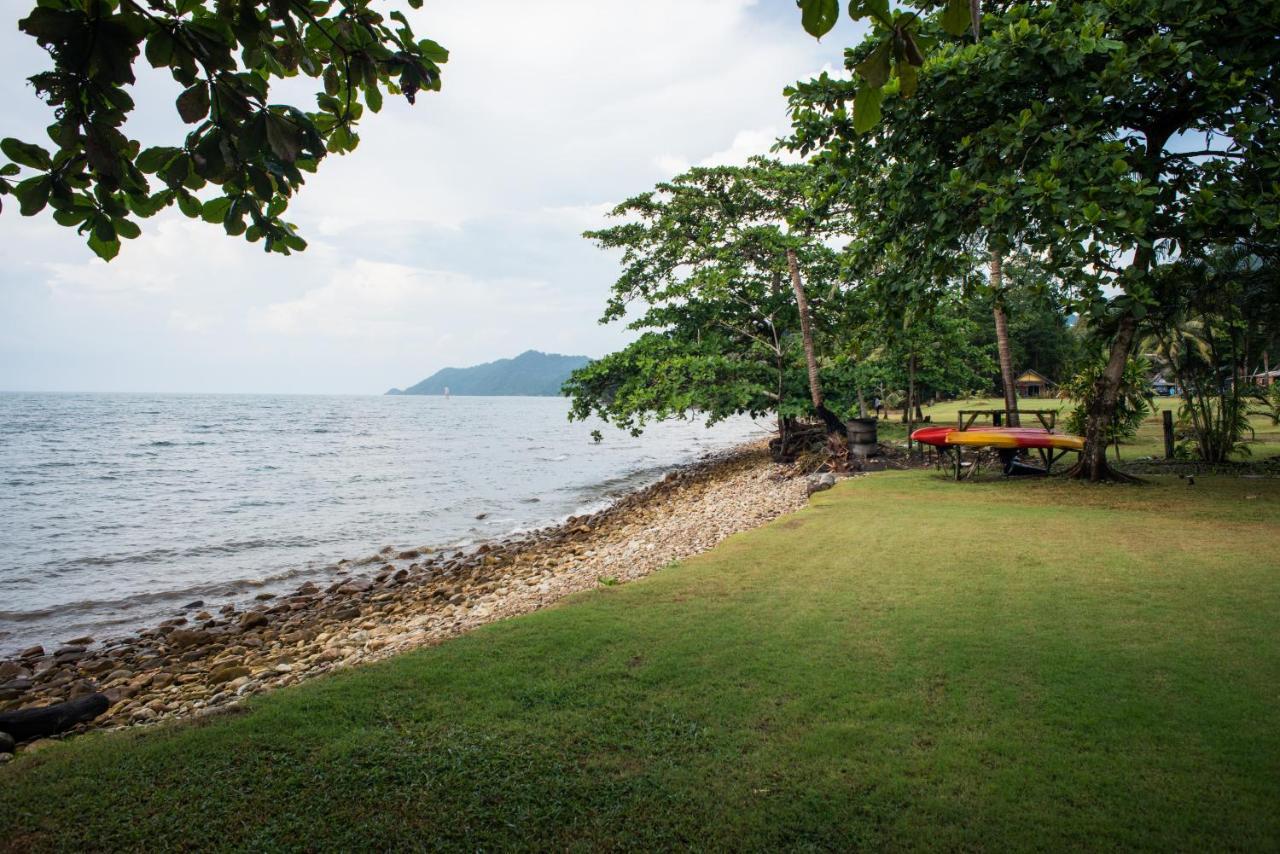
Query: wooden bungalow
1034, 384
1162, 387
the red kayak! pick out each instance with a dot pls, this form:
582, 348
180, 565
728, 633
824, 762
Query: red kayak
997, 437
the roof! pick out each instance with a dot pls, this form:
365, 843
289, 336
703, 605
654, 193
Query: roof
1030, 376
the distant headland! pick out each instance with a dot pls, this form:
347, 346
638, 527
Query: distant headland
531, 374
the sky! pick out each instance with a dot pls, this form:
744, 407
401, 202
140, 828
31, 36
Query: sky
451, 236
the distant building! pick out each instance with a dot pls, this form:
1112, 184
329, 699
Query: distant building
1034, 384
1161, 387
1266, 379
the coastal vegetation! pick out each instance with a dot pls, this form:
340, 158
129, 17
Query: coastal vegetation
907, 663
1120, 178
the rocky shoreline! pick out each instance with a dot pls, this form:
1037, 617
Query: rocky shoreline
400, 599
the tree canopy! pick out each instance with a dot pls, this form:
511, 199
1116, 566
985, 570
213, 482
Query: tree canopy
1111, 138
705, 271
224, 55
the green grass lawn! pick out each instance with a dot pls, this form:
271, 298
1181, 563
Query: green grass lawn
909, 663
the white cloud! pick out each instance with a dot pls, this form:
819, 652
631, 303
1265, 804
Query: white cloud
452, 234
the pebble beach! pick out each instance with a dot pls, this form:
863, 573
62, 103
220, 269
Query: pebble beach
399, 599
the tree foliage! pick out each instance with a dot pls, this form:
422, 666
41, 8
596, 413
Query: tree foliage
705, 279
1111, 137
224, 56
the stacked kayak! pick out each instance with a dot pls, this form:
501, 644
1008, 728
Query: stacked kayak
997, 437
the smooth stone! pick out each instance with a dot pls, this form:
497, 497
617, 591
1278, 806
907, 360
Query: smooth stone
7, 744
32, 652
227, 674
183, 638
38, 744
253, 619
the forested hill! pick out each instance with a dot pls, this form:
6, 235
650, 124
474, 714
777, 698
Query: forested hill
531, 373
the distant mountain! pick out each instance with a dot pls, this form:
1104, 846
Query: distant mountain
531, 374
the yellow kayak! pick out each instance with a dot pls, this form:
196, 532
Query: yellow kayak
1000, 437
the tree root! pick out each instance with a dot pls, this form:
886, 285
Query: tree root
1080, 471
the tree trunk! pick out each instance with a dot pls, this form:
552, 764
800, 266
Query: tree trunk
1002, 341
26, 724
908, 407
1106, 393
835, 427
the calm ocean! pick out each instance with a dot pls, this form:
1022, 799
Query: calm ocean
118, 509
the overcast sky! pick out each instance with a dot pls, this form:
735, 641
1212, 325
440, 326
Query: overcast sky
450, 237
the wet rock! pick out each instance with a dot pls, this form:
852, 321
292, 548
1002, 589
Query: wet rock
263, 597
408, 555
253, 620
7, 744
11, 670
191, 606
356, 585
184, 638
32, 652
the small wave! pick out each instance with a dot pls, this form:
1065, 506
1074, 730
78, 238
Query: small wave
230, 547
174, 597
161, 444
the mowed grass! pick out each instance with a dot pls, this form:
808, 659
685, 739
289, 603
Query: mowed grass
1263, 443
908, 663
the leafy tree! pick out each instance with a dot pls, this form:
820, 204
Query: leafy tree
933, 352
224, 54
1040, 334
1207, 323
706, 259
1267, 402
1114, 137
1135, 398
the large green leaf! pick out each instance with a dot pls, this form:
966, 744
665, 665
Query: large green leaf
957, 17
818, 16
193, 103
26, 154
875, 68
33, 194
104, 249
866, 108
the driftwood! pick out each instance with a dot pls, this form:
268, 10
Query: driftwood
26, 724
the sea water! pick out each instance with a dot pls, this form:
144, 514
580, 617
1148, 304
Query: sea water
117, 510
